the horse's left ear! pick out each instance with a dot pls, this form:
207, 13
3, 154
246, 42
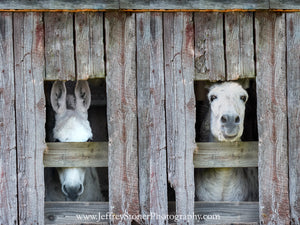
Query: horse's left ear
83, 95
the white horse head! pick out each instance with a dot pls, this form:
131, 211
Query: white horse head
227, 111
71, 125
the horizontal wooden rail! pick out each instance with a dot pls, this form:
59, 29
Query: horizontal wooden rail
95, 212
146, 4
76, 154
226, 154
207, 155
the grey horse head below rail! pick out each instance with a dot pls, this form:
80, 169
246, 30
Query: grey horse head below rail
72, 125
225, 123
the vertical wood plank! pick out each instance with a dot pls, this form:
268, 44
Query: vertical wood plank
122, 115
8, 175
180, 102
89, 45
144, 115
209, 46
293, 86
151, 108
30, 115
239, 45
59, 46
272, 118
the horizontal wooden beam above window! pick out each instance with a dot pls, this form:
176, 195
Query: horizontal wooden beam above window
207, 155
95, 212
101, 5
59, 4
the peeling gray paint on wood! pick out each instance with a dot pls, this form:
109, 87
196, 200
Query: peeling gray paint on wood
239, 49
59, 46
89, 40
151, 110
122, 115
144, 114
180, 109
209, 46
293, 100
30, 115
272, 118
8, 160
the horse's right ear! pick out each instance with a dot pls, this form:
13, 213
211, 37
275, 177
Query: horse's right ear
83, 95
58, 96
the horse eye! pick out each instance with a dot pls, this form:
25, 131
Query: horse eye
212, 97
243, 98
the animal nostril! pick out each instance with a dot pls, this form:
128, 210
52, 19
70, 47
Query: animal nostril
64, 189
237, 119
224, 119
80, 189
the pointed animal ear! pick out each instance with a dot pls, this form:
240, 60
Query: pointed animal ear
83, 95
58, 96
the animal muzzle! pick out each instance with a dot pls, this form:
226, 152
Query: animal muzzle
72, 192
230, 126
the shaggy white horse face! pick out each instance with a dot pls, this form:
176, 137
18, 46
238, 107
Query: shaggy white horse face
71, 126
227, 108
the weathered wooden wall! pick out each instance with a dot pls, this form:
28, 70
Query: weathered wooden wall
74, 45
122, 115
8, 155
180, 109
272, 118
293, 101
150, 61
30, 115
152, 121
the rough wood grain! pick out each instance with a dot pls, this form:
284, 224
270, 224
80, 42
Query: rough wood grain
59, 46
30, 115
284, 4
180, 102
59, 4
151, 111
122, 115
193, 4
272, 118
293, 87
76, 213
237, 154
245, 213
89, 45
79, 154
209, 46
239, 48
8, 163
144, 114
227, 212
95, 154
